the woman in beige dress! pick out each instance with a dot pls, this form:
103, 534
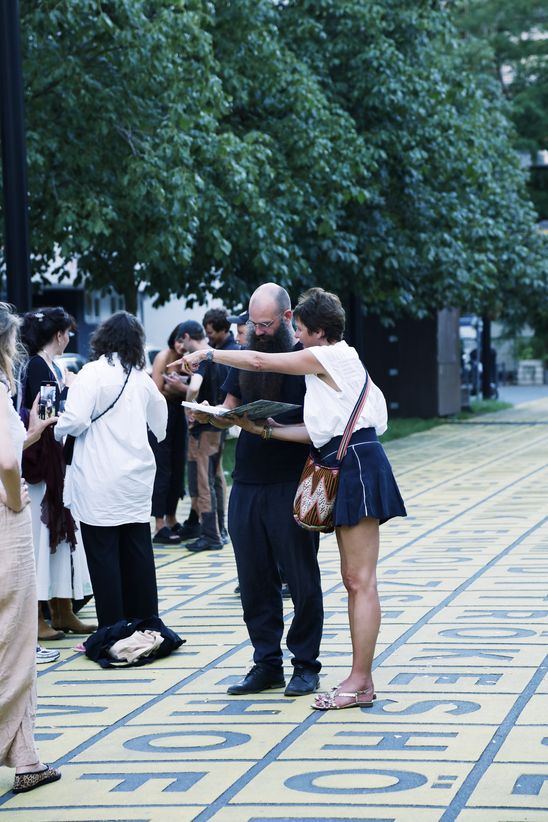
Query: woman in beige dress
17, 581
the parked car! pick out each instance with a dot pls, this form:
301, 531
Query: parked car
71, 361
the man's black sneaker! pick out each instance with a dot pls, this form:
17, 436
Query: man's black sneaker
258, 679
202, 544
165, 536
225, 539
187, 530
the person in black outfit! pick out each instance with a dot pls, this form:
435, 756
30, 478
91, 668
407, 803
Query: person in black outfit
219, 335
260, 517
170, 453
62, 573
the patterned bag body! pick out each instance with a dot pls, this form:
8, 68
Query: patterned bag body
314, 503
315, 498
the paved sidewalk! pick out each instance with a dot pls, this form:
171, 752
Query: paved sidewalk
459, 728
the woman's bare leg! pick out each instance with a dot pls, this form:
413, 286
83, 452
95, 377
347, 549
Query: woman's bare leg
359, 551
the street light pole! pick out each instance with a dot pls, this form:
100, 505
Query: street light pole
14, 161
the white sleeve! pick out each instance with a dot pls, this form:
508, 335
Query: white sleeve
81, 397
157, 412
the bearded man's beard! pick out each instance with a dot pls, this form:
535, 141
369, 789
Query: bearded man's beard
264, 385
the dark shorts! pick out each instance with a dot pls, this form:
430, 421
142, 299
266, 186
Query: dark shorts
367, 487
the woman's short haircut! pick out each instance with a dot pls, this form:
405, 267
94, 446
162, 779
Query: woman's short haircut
42, 324
320, 310
121, 334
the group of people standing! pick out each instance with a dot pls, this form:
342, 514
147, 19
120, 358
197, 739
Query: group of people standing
132, 439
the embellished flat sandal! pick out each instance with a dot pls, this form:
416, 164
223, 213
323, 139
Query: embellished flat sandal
326, 701
34, 779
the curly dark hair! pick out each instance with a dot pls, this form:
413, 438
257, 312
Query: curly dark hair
217, 318
121, 334
320, 310
42, 324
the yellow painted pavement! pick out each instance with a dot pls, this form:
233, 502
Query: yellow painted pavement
460, 726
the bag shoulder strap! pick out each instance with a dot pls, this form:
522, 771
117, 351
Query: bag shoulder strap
354, 417
98, 417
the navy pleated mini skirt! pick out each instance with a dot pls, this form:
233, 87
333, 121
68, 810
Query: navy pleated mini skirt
367, 487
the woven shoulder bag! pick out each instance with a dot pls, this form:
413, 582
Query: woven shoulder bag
314, 501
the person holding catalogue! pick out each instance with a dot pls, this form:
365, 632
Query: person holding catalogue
263, 532
368, 494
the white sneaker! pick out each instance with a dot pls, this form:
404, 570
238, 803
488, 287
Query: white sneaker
46, 655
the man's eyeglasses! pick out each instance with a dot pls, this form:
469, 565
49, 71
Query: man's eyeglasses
264, 325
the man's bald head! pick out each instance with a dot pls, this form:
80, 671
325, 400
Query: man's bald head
268, 307
268, 295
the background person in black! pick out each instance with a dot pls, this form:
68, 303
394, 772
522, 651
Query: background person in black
61, 568
170, 453
204, 440
260, 517
219, 335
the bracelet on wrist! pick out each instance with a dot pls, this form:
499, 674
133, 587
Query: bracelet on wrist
266, 433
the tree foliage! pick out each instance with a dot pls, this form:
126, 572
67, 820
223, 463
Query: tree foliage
177, 144
511, 42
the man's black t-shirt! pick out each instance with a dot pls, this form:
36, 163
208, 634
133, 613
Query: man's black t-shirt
263, 462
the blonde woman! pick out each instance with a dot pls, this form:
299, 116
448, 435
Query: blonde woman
17, 581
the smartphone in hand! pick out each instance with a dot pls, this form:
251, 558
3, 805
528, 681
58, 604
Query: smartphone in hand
48, 403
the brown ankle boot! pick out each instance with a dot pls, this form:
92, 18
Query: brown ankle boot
66, 620
45, 631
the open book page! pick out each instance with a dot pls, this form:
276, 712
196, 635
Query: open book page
258, 410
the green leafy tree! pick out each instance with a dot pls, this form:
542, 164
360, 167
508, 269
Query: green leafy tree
448, 221
511, 41
117, 95
181, 146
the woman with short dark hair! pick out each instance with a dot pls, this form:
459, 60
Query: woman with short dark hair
109, 482
367, 494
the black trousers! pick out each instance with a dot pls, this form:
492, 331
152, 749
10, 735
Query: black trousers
266, 537
170, 455
121, 566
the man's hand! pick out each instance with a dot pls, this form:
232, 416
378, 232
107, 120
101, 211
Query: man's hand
252, 426
203, 419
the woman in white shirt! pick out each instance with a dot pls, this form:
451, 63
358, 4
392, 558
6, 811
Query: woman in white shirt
367, 495
109, 483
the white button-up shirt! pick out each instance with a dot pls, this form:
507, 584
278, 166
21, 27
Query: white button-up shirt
112, 474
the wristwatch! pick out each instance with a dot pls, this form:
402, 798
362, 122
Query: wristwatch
209, 355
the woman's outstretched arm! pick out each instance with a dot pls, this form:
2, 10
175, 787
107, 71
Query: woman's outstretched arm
293, 362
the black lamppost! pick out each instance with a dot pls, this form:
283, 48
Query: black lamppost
14, 162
